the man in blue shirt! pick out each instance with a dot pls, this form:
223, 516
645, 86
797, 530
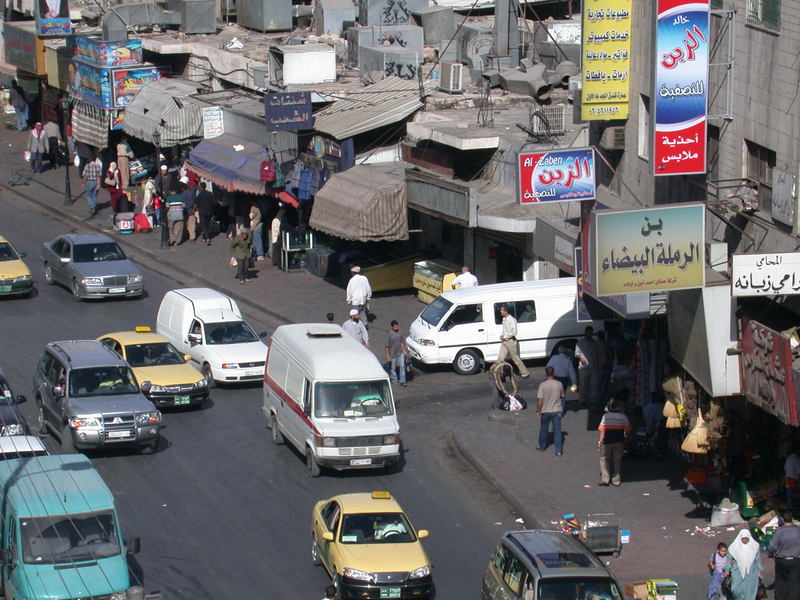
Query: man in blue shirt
564, 370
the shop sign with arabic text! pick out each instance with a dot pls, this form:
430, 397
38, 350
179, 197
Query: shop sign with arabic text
288, 111
765, 274
649, 249
606, 51
681, 81
556, 176
767, 377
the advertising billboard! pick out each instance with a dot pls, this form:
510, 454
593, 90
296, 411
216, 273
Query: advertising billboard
556, 176
90, 84
288, 111
606, 52
649, 249
126, 82
52, 18
776, 274
681, 87
122, 53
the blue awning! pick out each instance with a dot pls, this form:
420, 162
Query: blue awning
230, 162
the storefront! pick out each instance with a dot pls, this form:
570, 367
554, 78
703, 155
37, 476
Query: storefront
165, 106
25, 50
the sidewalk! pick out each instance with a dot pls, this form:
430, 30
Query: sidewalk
539, 486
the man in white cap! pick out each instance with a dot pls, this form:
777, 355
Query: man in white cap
164, 182
356, 328
359, 291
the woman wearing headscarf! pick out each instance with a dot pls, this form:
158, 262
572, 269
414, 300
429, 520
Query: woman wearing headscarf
38, 146
114, 184
744, 566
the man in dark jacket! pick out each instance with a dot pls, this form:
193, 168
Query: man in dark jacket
205, 209
241, 246
164, 182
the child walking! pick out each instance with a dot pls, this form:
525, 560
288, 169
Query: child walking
716, 564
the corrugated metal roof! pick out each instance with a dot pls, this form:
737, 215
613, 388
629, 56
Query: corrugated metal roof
383, 103
163, 105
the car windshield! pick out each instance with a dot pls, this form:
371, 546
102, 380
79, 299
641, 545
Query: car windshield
353, 399
376, 528
578, 589
229, 332
435, 311
68, 538
101, 381
151, 355
82, 253
7, 252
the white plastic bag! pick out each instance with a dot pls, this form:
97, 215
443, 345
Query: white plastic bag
27, 156
514, 405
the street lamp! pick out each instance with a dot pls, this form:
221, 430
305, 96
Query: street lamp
163, 208
64, 116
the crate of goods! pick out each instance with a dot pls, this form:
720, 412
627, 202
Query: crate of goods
662, 589
600, 532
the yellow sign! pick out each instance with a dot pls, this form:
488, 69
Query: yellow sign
606, 52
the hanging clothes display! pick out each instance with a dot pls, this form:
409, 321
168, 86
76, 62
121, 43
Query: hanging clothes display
304, 186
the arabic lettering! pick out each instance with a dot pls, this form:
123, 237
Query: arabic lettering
698, 88
659, 254
782, 283
679, 140
648, 227
671, 59
684, 155
610, 13
578, 169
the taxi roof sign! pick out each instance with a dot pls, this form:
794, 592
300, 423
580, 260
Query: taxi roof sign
381, 496
143, 329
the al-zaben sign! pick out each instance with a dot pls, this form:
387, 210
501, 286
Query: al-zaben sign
775, 274
556, 176
681, 81
649, 249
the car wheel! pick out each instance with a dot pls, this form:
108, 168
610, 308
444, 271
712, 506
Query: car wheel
67, 443
48, 275
76, 291
315, 551
467, 362
208, 374
277, 436
41, 422
311, 464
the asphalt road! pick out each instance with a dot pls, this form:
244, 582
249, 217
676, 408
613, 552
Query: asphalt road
221, 512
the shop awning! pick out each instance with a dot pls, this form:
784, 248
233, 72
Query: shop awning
230, 162
383, 103
163, 106
90, 124
362, 204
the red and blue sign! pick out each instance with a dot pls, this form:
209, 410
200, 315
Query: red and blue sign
681, 87
557, 176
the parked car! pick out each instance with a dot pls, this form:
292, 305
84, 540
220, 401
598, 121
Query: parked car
369, 547
537, 564
21, 446
173, 380
15, 277
12, 421
92, 265
88, 396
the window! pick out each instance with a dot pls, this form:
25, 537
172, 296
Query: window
331, 516
353, 399
466, 313
588, 588
766, 13
376, 528
524, 311
500, 558
513, 573
277, 365
7, 253
644, 127
61, 248
760, 162
435, 311
150, 355
102, 381
229, 332
114, 345
45, 365
69, 538
97, 252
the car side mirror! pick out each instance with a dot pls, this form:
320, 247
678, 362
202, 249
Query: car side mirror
327, 536
65, 259
133, 545
423, 533
262, 334
58, 391
23, 254
194, 339
145, 387
187, 357
5, 557
20, 399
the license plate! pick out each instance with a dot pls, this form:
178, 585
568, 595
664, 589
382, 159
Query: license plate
182, 400
364, 461
388, 592
252, 372
5, 288
120, 434
116, 290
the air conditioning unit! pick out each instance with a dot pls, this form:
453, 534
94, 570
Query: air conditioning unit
452, 78
550, 120
613, 138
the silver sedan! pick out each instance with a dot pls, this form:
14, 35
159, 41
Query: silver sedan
92, 265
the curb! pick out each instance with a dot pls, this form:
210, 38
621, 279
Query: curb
63, 215
476, 463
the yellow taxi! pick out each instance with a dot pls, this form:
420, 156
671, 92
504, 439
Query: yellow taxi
369, 547
173, 381
15, 277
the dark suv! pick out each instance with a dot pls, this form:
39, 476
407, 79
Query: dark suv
88, 396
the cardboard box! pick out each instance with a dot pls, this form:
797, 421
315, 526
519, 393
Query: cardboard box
635, 590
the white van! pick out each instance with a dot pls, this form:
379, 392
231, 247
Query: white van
462, 327
330, 398
209, 327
